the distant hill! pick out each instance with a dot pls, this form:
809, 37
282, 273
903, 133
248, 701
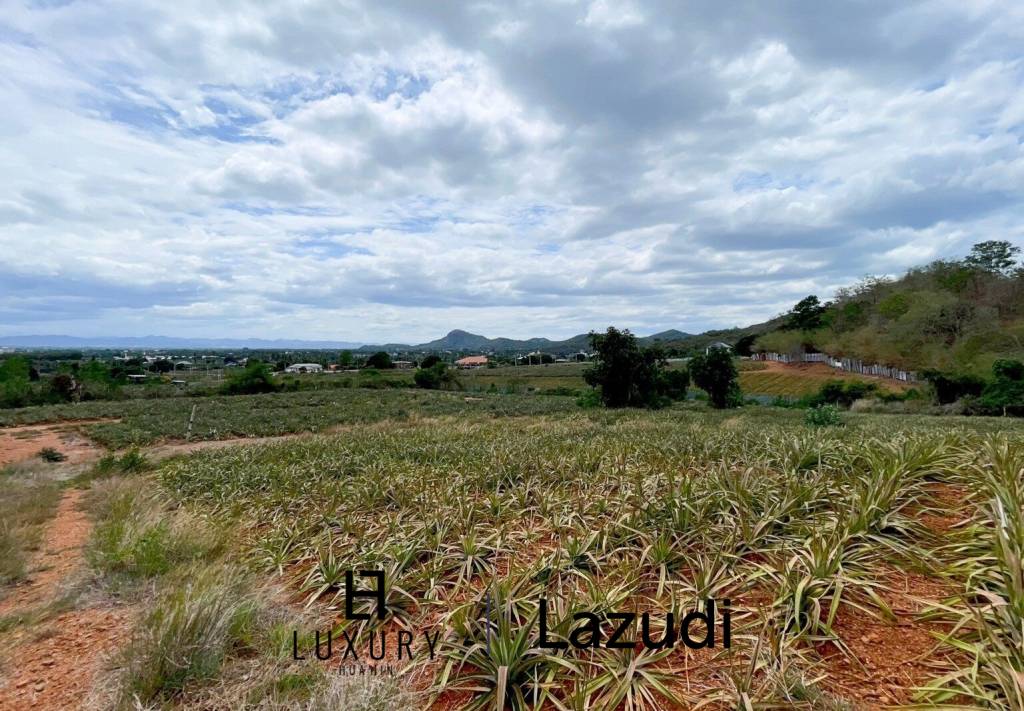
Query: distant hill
168, 343
459, 341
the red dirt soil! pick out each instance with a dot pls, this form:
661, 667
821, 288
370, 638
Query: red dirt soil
18, 444
55, 668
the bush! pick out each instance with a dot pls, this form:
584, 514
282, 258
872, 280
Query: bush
49, 454
254, 379
589, 399
823, 416
1005, 393
434, 377
842, 392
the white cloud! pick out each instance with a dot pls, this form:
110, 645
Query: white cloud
364, 171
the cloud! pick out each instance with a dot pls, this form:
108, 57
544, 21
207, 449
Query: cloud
386, 172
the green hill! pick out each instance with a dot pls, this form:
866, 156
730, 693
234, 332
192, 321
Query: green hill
950, 315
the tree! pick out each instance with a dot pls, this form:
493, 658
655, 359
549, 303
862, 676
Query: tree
745, 345
434, 377
380, 360
345, 359
806, 315
950, 387
62, 386
1005, 393
429, 362
161, 366
253, 379
626, 374
995, 256
674, 383
715, 373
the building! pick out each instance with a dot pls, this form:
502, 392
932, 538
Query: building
402, 364
304, 368
717, 345
472, 362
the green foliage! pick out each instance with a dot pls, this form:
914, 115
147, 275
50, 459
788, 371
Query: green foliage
345, 359
434, 377
805, 315
953, 316
589, 399
674, 383
994, 256
380, 360
254, 379
146, 421
430, 361
823, 416
715, 373
137, 535
950, 387
1004, 394
843, 392
625, 374
49, 454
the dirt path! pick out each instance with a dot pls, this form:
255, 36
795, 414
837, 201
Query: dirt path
54, 665
59, 558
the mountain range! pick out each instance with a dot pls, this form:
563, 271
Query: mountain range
457, 341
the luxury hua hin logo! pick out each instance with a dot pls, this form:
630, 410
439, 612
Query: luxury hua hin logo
586, 630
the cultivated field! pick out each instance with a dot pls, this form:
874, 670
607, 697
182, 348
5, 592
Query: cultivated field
867, 565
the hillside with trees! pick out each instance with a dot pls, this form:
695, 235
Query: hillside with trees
953, 316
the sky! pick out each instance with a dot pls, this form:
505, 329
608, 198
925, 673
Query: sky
388, 171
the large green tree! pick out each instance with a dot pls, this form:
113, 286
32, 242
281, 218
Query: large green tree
715, 373
380, 360
995, 256
625, 374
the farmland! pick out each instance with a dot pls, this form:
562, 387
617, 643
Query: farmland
802, 379
141, 422
847, 554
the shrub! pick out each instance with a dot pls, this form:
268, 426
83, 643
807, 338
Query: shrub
49, 454
823, 416
1005, 393
434, 377
842, 392
254, 379
589, 399
429, 362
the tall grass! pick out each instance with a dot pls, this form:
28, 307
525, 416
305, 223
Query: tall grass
186, 636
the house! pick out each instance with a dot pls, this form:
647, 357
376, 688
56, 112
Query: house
304, 368
716, 346
135, 378
472, 362
402, 364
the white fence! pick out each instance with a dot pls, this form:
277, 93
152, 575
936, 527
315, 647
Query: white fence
851, 365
